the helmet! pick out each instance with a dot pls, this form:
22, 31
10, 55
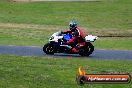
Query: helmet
73, 25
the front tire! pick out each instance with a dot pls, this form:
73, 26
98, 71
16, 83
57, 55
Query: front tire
48, 49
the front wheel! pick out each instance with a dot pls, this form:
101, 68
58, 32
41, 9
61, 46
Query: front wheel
86, 50
48, 49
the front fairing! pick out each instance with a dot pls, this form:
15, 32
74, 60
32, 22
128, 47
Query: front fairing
55, 37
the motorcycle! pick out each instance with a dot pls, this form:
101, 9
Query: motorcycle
56, 44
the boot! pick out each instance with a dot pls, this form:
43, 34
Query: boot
74, 51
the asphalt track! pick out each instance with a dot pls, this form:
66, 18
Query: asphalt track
37, 51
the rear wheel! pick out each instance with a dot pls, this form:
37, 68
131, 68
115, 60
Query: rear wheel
86, 50
48, 49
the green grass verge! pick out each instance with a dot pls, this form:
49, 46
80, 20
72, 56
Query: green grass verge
51, 72
104, 18
118, 43
38, 37
104, 14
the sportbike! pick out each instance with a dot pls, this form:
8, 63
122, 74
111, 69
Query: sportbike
56, 44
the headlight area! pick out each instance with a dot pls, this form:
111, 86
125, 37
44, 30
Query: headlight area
52, 37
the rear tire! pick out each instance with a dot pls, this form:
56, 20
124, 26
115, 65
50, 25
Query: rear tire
48, 49
86, 50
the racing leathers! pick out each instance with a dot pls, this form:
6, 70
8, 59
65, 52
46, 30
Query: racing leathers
79, 36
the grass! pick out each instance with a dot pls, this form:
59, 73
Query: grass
113, 43
33, 36
33, 23
103, 14
51, 72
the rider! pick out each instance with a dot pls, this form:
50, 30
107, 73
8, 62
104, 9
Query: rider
78, 35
